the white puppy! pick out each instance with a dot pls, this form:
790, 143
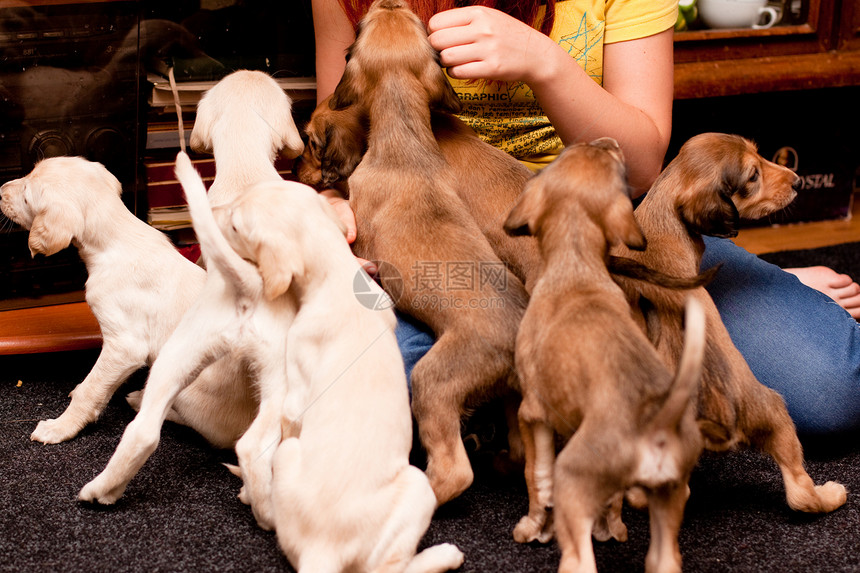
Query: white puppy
345, 496
245, 120
138, 285
243, 102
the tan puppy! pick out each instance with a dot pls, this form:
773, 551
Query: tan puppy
409, 217
488, 180
347, 426
715, 180
589, 372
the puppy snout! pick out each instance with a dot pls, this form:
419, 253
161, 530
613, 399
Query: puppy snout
797, 183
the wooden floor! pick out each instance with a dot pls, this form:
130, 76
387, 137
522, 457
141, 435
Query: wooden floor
802, 235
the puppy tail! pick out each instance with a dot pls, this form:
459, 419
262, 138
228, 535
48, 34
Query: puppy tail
687, 378
241, 274
635, 270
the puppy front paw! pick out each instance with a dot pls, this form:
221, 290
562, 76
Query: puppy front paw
534, 528
99, 491
54, 431
608, 527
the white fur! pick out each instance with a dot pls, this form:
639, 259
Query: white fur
138, 285
245, 120
244, 151
344, 495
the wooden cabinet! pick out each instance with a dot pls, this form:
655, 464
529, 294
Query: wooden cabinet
819, 48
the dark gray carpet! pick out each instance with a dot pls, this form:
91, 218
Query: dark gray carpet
181, 512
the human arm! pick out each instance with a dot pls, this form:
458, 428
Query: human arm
634, 106
333, 34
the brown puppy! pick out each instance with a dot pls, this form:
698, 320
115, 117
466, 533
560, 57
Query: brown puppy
435, 262
714, 181
589, 372
488, 180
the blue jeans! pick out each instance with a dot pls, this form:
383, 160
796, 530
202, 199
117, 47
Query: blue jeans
795, 339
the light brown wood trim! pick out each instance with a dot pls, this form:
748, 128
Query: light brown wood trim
49, 329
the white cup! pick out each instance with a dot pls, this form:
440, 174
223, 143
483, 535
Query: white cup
737, 13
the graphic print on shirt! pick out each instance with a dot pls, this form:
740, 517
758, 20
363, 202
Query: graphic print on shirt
507, 114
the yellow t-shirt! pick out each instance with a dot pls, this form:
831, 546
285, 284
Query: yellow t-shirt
507, 115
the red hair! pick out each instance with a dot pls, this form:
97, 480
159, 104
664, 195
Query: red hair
523, 11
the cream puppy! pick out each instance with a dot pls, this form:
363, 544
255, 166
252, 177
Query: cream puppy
227, 321
244, 119
344, 494
138, 287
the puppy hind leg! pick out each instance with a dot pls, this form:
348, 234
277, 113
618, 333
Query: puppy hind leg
255, 451
220, 404
407, 522
112, 368
182, 358
778, 438
584, 484
666, 507
539, 444
609, 524
438, 395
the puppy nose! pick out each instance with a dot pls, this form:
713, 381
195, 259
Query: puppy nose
797, 183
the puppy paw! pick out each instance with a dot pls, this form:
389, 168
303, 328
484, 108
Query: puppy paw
243, 496
831, 495
533, 528
442, 557
134, 399
816, 499
53, 431
264, 516
606, 528
99, 491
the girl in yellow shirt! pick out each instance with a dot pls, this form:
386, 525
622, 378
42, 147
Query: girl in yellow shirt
589, 69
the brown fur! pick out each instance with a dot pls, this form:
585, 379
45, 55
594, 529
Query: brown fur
714, 181
487, 180
403, 193
587, 370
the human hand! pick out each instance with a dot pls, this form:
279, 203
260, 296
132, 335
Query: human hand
482, 43
347, 216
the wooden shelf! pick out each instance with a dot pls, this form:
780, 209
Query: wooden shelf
777, 73
49, 329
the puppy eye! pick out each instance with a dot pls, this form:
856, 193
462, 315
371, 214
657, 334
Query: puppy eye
754, 176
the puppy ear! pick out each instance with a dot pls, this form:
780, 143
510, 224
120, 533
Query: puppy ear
52, 231
290, 139
278, 265
440, 91
611, 145
201, 134
347, 92
341, 152
620, 226
711, 212
523, 216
